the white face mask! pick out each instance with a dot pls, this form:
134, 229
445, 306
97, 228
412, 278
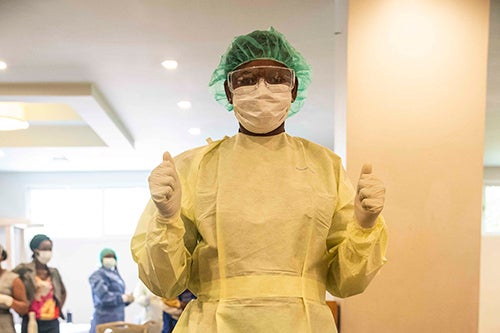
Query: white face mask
44, 256
261, 110
109, 263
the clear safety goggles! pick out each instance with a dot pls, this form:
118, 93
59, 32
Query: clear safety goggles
251, 76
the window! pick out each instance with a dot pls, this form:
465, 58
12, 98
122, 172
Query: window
87, 212
491, 210
122, 209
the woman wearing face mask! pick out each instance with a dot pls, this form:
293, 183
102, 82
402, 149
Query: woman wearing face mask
108, 291
259, 225
44, 287
12, 296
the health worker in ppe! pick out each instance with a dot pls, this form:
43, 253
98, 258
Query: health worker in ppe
259, 225
108, 291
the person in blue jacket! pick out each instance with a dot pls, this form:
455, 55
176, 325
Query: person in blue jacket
108, 291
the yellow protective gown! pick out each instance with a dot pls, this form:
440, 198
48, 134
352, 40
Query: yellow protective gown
266, 226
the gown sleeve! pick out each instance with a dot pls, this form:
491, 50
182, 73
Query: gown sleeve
355, 254
159, 250
162, 247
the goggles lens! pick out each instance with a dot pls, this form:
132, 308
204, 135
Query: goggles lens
251, 76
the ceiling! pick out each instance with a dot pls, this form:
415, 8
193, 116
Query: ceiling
102, 100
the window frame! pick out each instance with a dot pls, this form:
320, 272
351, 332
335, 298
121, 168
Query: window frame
490, 183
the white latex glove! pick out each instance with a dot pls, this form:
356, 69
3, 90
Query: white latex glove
370, 197
6, 299
165, 187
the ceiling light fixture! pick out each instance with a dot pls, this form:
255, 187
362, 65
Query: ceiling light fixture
3, 65
169, 64
184, 105
12, 116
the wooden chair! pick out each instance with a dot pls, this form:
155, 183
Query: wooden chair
123, 327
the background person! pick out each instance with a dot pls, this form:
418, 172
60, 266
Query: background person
108, 291
152, 305
160, 310
173, 309
44, 287
12, 296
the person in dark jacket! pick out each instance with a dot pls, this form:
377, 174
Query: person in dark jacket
44, 287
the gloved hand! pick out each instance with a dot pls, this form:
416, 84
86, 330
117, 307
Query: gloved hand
165, 187
370, 197
6, 299
127, 298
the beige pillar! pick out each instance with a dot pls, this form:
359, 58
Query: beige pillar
416, 85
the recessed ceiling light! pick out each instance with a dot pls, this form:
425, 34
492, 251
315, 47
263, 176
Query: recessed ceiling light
169, 64
194, 131
3, 65
184, 104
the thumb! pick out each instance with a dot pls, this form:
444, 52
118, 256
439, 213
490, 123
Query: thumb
167, 157
366, 169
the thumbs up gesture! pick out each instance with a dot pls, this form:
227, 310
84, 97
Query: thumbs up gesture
370, 197
165, 187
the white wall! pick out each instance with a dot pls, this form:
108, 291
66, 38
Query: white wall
76, 258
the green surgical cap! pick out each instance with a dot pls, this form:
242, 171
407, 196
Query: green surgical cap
261, 44
105, 252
